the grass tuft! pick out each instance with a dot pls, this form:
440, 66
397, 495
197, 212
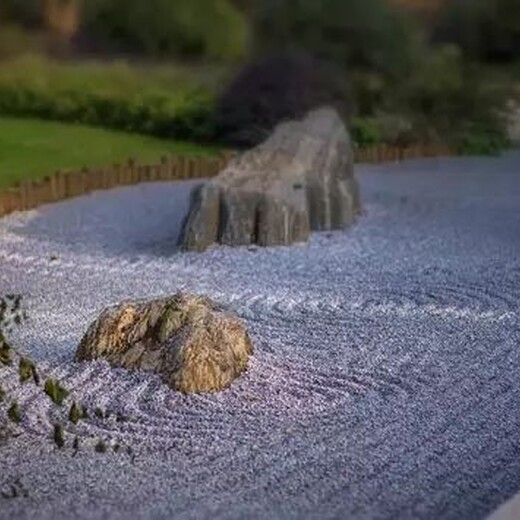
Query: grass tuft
55, 391
59, 435
76, 413
14, 413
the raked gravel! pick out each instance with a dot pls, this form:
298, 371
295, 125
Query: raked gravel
386, 378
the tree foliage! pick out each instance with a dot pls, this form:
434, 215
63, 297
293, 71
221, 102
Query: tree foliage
355, 34
27, 12
189, 28
487, 30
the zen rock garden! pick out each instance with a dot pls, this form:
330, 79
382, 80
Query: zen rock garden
300, 180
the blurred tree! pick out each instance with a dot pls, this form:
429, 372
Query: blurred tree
487, 30
61, 17
421, 7
186, 28
245, 6
27, 12
355, 34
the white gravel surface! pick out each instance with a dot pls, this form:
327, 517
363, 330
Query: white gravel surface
386, 378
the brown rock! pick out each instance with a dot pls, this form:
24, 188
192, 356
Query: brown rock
191, 342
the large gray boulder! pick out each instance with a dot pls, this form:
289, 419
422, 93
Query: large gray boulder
191, 342
299, 180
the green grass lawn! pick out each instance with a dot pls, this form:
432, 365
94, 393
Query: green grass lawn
32, 148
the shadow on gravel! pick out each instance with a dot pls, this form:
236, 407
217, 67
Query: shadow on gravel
142, 219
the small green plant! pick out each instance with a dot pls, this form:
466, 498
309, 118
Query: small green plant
27, 371
59, 435
11, 315
55, 391
14, 413
365, 131
6, 352
76, 413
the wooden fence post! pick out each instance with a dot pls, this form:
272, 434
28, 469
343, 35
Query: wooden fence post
164, 169
3, 203
14, 199
181, 167
54, 180
61, 185
47, 189
192, 168
95, 179
113, 175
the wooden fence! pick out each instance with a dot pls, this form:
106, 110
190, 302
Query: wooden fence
62, 185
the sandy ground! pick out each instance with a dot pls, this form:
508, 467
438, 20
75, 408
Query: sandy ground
385, 383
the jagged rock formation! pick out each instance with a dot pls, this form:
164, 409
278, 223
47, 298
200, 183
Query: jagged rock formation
299, 180
191, 342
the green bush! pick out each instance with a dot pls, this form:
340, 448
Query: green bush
365, 132
356, 35
480, 139
449, 100
211, 29
108, 96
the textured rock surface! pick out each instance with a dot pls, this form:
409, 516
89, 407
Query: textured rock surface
192, 343
300, 179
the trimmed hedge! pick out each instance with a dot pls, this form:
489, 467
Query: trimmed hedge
188, 118
111, 97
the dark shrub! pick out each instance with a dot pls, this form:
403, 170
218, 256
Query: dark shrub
273, 89
27, 12
484, 29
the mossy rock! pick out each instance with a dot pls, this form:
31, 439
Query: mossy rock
190, 341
